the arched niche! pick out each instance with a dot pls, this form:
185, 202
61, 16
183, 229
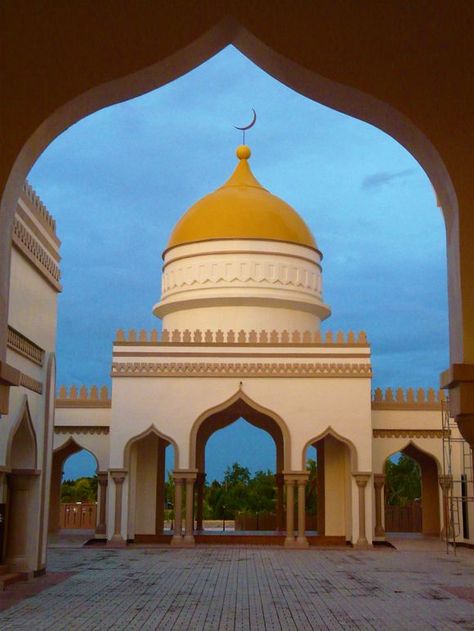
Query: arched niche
336, 461
22, 451
145, 460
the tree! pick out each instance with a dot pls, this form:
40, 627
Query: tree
312, 487
80, 490
402, 481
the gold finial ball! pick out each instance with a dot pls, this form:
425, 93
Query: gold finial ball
243, 152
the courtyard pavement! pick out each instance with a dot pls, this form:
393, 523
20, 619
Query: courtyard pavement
250, 588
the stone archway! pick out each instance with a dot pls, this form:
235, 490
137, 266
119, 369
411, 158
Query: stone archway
23, 495
60, 455
430, 490
208, 425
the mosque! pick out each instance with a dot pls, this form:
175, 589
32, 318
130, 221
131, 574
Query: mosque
241, 306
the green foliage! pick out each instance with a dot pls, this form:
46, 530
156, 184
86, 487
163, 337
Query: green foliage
402, 481
312, 487
80, 490
240, 492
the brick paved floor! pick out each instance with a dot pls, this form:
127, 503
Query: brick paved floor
220, 588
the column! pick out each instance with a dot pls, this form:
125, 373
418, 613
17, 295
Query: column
178, 519
188, 534
301, 539
379, 481
103, 479
160, 487
361, 481
280, 485
18, 552
445, 482
118, 476
321, 489
200, 484
290, 512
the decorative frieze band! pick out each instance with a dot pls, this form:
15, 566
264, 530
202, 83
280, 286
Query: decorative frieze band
190, 369
32, 384
81, 429
407, 400
95, 397
36, 253
22, 345
260, 338
408, 433
39, 208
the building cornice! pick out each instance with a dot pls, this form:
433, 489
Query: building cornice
36, 254
238, 369
81, 429
407, 433
40, 211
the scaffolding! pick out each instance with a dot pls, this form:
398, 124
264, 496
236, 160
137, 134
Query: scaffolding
457, 482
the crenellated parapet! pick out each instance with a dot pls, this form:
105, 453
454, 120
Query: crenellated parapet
239, 338
410, 399
39, 208
83, 397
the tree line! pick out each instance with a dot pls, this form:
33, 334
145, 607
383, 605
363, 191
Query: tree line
242, 492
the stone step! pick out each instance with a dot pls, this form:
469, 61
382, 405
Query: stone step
10, 578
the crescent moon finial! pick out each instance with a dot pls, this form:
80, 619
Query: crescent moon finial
246, 127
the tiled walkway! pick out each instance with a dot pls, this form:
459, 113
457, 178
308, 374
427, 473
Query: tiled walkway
251, 588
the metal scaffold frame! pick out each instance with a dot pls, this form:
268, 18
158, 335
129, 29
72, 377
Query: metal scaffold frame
457, 482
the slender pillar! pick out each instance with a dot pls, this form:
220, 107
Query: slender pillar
280, 484
321, 487
301, 539
18, 553
290, 512
188, 535
103, 478
160, 487
118, 476
200, 484
445, 482
178, 519
379, 481
361, 481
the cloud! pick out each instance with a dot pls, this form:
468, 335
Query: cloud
380, 178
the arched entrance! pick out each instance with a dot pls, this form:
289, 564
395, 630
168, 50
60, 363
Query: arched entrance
23, 495
148, 506
60, 455
332, 487
305, 59
428, 503
240, 409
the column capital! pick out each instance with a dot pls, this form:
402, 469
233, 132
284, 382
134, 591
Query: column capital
103, 478
296, 476
445, 482
361, 478
379, 480
118, 475
185, 474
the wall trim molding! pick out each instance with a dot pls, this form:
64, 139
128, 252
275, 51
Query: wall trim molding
243, 369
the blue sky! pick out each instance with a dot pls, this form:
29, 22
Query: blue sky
119, 180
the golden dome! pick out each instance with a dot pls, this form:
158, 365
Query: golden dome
241, 209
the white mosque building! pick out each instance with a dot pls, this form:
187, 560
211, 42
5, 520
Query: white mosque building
241, 307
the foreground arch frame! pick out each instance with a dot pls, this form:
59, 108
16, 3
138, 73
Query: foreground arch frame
434, 130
